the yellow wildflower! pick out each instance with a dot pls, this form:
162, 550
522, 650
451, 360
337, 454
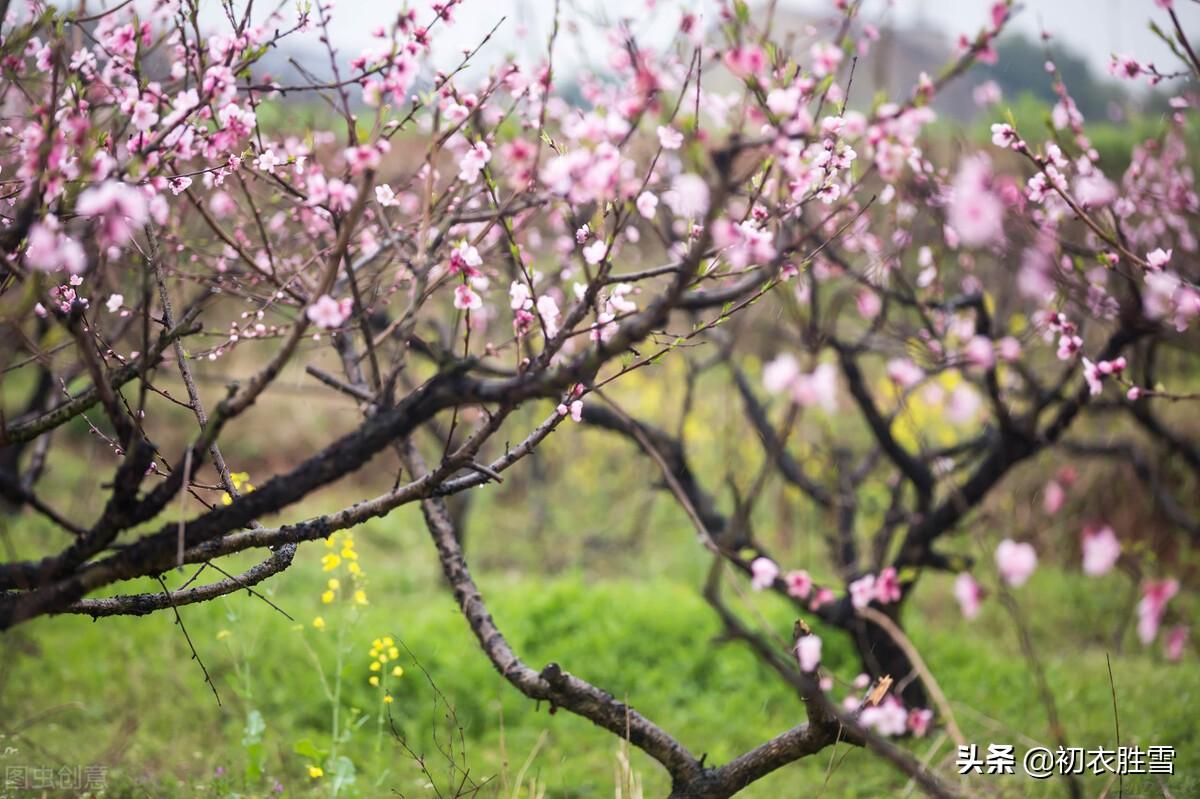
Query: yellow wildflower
397, 671
393, 653
316, 772
360, 597
334, 583
387, 641
330, 562
319, 623
373, 680
387, 699
354, 568
327, 597
375, 665
223, 634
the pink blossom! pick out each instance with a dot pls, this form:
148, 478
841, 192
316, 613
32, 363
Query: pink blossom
904, 373
341, 195
594, 252
1003, 135
1094, 190
784, 103
818, 387
808, 652
385, 196
1124, 66
919, 719
118, 207
763, 572
746, 61
114, 303
464, 259
1158, 258
1101, 549
143, 116
1009, 349
823, 596
799, 584
979, 353
887, 718
963, 404
473, 161
826, 57
669, 138
647, 205
780, 373
329, 313
1091, 375
1016, 561
1053, 497
887, 587
968, 593
466, 299
574, 410
1155, 596
547, 309
976, 214
1176, 640
987, 93
688, 196
869, 304
50, 250
862, 591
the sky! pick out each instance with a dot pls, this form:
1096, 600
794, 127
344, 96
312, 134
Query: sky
1093, 28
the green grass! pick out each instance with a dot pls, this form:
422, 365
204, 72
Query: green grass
124, 692
603, 579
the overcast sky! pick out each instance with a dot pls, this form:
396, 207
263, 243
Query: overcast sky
1093, 28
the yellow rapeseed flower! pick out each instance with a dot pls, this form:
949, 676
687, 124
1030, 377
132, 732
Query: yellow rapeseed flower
327, 597
354, 568
334, 583
373, 680
397, 671
330, 562
387, 641
376, 665
360, 597
319, 623
387, 699
393, 653
316, 772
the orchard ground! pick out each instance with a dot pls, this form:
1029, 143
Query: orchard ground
607, 585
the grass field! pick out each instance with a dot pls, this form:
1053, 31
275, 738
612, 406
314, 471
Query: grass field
584, 563
125, 694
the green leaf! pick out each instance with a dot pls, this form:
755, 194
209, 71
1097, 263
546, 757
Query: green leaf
306, 748
255, 726
344, 774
